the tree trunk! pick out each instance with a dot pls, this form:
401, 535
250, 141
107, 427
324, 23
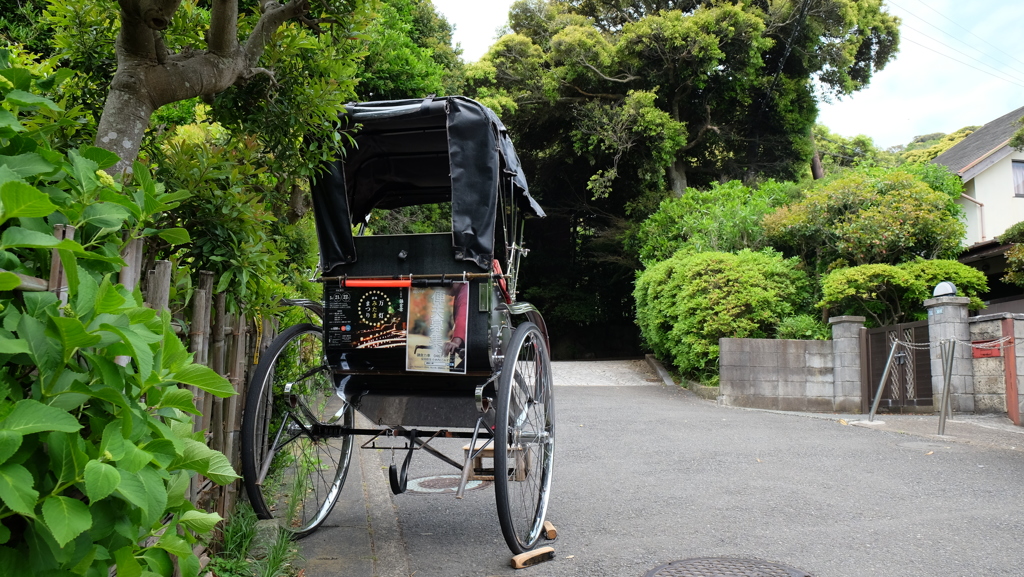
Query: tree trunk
148, 77
817, 170
677, 178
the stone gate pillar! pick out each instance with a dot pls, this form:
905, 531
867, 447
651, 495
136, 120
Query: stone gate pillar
846, 374
947, 319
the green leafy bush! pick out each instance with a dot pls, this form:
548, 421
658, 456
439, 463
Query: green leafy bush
889, 294
97, 447
1015, 254
725, 218
803, 327
688, 302
870, 215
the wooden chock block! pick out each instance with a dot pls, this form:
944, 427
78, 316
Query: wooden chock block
538, 555
549, 531
478, 462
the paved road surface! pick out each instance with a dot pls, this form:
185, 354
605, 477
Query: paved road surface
647, 474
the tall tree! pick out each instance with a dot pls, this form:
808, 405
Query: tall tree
743, 80
409, 53
617, 103
167, 52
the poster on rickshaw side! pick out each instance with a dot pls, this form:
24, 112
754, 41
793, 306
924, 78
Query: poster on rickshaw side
437, 329
364, 318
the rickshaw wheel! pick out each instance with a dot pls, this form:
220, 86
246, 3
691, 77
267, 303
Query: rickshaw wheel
291, 473
524, 438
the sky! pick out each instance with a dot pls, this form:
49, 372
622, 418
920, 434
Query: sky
960, 63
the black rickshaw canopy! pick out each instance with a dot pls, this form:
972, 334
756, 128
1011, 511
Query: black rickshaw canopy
422, 151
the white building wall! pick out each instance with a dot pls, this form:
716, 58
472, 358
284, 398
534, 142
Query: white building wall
994, 188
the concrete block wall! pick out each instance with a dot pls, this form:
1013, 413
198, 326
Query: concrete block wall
826, 375
786, 375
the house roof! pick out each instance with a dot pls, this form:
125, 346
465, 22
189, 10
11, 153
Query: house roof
982, 143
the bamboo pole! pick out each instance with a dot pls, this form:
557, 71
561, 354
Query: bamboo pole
132, 271
158, 286
232, 409
203, 355
129, 277
217, 363
58, 283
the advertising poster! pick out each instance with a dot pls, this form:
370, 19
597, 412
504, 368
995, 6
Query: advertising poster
437, 329
365, 318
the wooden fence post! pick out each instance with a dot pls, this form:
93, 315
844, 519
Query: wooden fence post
132, 271
158, 286
129, 277
199, 342
58, 283
232, 406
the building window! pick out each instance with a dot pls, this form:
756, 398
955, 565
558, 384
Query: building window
1018, 178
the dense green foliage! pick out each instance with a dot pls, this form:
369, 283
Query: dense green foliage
409, 53
617, 105
725, 218
248, 233
245, 158
871, 215
862, 232
928, 150
1015, 254
687, 303
889, 294
839, 152
96, 452
803, 327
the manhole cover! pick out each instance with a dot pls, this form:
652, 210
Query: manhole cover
438, 484
715, 567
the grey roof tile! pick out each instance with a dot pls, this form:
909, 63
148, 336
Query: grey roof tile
981, 142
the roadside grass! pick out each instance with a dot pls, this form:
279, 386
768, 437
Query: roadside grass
242, 556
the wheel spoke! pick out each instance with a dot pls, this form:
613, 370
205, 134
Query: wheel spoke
524, 439
299, 476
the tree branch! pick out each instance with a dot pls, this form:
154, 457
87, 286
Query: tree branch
628, 77
223, 39
274, 15
703, 129
591, 95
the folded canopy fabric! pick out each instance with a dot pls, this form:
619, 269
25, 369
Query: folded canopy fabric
424, 151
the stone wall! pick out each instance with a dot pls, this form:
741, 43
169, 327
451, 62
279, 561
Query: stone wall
785, 375
791, 375
989, 372
998, 387
825, 376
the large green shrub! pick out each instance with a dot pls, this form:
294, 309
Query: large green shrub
725, 218
688, 302
97, 447
889, 294
872, 215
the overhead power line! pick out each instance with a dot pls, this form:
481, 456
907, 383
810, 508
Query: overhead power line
1011, 81
975, 59
1016, 75
955, 23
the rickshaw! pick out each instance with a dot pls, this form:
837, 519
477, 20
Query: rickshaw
420, 333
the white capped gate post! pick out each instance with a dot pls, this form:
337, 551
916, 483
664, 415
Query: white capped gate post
947, 319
